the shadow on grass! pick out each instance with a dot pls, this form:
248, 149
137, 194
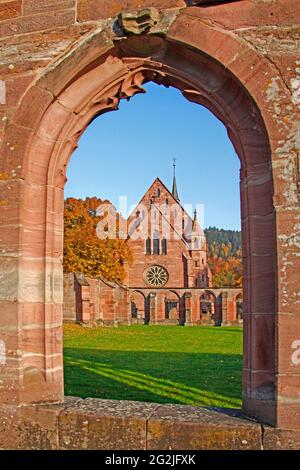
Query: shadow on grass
196, 379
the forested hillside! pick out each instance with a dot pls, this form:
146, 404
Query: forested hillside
217, 237
225, 256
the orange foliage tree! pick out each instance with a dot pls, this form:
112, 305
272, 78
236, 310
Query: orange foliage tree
226, 266
84, 252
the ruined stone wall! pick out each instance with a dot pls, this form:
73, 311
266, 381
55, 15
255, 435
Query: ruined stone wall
70, 307
63, 63
95, 301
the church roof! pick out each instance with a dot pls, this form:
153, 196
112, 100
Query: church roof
176, 201
194, 227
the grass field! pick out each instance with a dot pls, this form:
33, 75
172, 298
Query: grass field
164, 364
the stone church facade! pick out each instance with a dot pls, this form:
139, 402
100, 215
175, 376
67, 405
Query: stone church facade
169, 247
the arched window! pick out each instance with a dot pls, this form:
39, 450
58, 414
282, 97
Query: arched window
158, 192
164, 246
148, 246
156, 242
156, 246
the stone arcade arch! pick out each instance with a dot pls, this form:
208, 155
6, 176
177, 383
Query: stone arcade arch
208, 307
244, 90
173, 306
137, 305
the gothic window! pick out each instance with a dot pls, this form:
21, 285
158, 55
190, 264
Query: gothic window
156, 246
148, 246
158, 192
164, 246
167, 201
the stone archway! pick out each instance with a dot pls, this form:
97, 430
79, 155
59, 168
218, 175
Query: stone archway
137, 305
208, 307
173, 307
245, 92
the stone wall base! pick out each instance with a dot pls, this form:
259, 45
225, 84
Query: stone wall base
124, 425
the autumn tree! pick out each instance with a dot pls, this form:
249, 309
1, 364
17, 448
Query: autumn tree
84, 251
225, 257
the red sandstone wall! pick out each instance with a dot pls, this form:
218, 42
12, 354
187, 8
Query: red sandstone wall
69, 305
256, 41
91, 300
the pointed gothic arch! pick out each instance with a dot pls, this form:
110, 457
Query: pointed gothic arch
90, 80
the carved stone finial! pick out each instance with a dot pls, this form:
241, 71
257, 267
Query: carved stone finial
139, 21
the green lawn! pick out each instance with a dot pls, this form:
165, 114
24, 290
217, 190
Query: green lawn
164, 364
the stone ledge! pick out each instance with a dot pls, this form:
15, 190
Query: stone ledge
95, 424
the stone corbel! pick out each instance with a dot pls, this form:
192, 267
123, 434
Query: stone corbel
146, 21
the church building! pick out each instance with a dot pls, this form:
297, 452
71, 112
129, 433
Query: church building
169, 280
168, 246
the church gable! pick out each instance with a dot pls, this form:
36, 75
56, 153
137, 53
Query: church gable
158, 215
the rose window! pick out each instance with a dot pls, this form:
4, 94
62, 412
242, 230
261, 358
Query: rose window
156, 276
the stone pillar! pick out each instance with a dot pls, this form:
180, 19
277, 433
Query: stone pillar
153, 308
188, 308
218, 312
231, 309
86, 301
31, 365
194, 308
224, 307
161, 307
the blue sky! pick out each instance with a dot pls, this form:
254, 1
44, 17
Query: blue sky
122, 152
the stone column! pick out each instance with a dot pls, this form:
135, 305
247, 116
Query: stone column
224, 307
153, 308
188, 308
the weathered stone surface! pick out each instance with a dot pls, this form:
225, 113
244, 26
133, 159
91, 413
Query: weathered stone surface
31, 7
178, 427
31, 427
40, 22
93, 424
140, 21
10, 9
248, 13
95, 9
105, 424
244, 67
279, 439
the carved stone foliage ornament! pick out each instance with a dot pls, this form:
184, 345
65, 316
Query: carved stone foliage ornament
139, 21
156, 276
